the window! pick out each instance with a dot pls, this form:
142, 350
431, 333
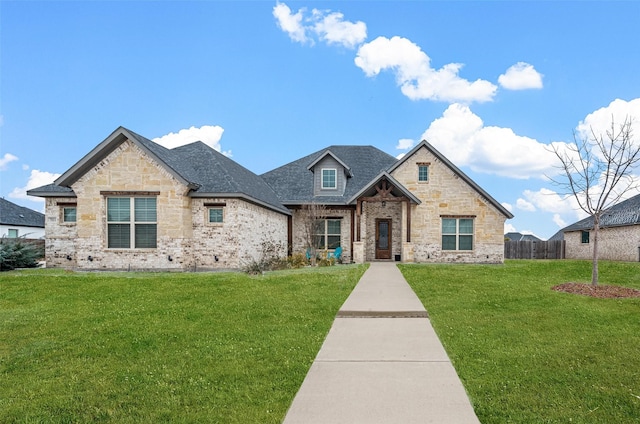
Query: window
69, 214
13, 233
585, 236
329, 178
125, 229
457, 234
423, 172
327, 234
215, 215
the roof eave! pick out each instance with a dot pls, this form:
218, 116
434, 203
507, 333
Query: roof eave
245, 197
455, 169
102, 150
393, 181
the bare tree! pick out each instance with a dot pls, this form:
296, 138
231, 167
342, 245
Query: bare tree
311, 215
598, 173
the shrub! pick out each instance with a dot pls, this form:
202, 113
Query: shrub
18, 253
270, 259
297, 260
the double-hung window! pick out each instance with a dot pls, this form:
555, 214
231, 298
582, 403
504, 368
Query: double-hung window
132, 223
327, 234
457, 233
423, 172
329, 178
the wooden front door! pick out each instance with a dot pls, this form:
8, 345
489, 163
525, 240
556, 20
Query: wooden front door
383, 239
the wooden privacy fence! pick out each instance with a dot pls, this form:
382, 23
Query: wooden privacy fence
553, 249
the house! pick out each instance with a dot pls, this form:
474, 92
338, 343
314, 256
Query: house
618, 238
18, 221
515, 236
133, 204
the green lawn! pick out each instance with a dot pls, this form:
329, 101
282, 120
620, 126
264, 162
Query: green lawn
528, 354
133, 347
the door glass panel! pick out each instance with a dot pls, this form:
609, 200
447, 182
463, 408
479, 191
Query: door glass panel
383, 240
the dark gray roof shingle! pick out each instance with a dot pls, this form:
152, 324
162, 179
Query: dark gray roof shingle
293, 182
12, 214
622, 214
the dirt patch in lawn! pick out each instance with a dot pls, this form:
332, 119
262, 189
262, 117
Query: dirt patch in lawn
600, 291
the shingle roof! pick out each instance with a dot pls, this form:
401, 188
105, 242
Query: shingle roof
293, 182
206, 171
622, 214
12, 214
515, 236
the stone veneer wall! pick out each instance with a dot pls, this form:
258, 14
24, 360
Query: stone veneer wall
447, 194
373, 210
299, 244
186, 241
238, 239
60, 240
128, 169
615, 244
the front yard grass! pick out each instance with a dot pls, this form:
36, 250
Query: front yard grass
528, 354
134, 347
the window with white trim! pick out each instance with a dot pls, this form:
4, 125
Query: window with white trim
127, 230
584, 237
329, 178
327, 234
457, 233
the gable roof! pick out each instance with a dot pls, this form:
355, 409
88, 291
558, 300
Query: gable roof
397, 188
337, 159
456, 170
207, 172
619, 215
293, 182
12, 214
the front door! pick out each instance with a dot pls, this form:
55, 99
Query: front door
383, 239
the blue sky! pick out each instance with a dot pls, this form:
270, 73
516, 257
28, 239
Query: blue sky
489, 84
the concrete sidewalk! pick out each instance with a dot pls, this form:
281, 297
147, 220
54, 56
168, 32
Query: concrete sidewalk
381, 362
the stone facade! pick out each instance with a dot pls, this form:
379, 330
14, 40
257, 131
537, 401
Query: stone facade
299, 242
614, 243
239, 239
446, 194
185, 241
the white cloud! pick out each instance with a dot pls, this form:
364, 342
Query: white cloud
557, 219
600, 120
509, 228
521, 76
549, 201
333, 29
25, 167
6, 159
36, 179
525, 206
290, 23
405, 144
462, 137
327, 26
414, 74
507, 206
208, 134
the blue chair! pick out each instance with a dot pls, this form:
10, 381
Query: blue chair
337, 253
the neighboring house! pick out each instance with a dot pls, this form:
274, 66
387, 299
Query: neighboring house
133, 204
618, 238
18, 221
514, 236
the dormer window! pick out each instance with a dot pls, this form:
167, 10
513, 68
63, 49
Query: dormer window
329, 178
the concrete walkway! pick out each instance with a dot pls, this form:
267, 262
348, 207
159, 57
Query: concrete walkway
381, 362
